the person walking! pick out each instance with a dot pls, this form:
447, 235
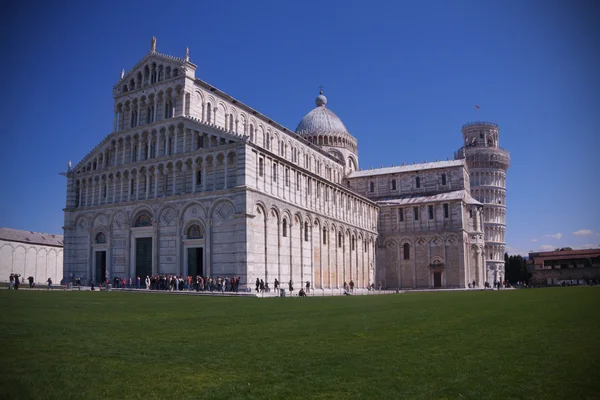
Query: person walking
49, 283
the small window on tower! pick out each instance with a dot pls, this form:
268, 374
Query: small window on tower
446, 211
393, 184
371, 187
444, 179
430, 209
418, 181
416, 213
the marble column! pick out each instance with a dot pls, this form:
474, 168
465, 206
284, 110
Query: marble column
93, 191
174, 179
147, 183
194, 172
122, 179
137, 186
155, 182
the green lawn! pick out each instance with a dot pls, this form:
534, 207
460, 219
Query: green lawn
526, 344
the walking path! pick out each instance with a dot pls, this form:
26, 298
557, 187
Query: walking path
271, 294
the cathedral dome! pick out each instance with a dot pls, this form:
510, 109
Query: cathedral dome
321, 121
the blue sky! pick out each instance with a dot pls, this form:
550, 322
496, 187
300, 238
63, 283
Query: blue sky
403, 77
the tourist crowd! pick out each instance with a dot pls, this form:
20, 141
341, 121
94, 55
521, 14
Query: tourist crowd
14, 280
174, 283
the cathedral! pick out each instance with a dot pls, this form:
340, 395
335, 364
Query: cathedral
192, 181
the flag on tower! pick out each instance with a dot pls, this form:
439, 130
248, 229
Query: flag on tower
477, 106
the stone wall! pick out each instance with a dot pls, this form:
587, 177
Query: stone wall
41, 262
553, 276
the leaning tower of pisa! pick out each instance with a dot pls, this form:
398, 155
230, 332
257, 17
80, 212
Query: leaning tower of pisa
488, 163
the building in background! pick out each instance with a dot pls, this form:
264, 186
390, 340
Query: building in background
488, 164
430, 228
193, 182
31, 254
564, 265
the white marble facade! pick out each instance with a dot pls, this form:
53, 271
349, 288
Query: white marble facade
193, 181
35, 254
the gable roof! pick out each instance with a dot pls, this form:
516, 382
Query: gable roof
448, 196
45, 239
153, 55
407, 168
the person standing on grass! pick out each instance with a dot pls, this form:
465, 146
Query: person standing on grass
276, 286
30, 279
351, 285
49, 283
17, 282
11, 281
307, 287
290, 287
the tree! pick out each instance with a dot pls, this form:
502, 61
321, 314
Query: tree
516, 268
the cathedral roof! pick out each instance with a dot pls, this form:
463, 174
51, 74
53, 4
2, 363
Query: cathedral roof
321, 121
407, 168
455, 195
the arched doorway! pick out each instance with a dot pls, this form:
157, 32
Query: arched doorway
437, 273
141, 233
194, 250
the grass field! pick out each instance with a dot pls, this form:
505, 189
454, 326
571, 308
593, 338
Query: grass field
527, 344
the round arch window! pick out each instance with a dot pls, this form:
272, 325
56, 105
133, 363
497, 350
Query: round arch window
100, 237
195, 232
142, 220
